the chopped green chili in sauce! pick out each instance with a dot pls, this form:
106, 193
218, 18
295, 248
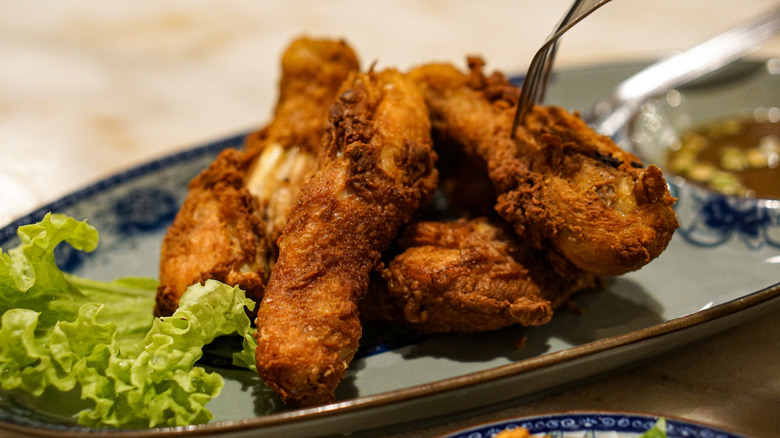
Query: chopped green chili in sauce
738, 157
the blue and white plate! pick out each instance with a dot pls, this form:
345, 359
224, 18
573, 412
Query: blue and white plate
691, 291
592, 425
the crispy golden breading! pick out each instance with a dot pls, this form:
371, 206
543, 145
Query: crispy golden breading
469, 276
312, 73
217, 234
376, 169
234, 211
597, 205
563, 187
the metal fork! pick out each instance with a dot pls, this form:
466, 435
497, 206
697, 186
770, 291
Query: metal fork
536, 78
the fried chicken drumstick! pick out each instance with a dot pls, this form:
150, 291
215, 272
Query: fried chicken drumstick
234, 210
469, 276
563, 187
376, 168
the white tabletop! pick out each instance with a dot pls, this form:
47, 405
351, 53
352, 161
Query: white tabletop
89, 88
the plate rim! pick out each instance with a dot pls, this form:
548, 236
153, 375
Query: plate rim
9, 230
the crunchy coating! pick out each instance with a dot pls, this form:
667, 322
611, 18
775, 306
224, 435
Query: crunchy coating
234, 210
313, 71
217, 234
469, 276
376, 169
563, 187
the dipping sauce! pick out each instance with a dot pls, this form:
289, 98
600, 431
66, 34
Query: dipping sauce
738, 157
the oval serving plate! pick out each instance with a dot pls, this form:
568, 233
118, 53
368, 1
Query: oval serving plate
599, 424
403, 377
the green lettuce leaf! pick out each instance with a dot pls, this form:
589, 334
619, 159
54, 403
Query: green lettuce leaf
162, 386
62, 335
657, 431
29, 276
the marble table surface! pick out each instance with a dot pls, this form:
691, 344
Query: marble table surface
89, 88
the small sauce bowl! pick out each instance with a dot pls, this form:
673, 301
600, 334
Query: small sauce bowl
726, 185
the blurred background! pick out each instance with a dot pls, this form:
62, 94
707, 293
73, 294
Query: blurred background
88, 88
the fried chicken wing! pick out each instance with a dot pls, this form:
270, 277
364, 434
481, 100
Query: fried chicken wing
376, 169
235, 209
563, 187
469, 276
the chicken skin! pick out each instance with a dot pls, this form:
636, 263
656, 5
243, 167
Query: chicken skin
234, 210
563, 187
376, 169
469, 276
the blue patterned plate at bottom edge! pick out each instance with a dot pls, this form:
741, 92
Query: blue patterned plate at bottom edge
593, 425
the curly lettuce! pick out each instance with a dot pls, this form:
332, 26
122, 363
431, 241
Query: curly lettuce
63, 335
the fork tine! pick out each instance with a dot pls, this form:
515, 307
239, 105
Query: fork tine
538, 75
547, 70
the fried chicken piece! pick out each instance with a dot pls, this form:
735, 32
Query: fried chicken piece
597, 205
217, 234
469, 276
376, 169
312, 73
235, 209
563, 187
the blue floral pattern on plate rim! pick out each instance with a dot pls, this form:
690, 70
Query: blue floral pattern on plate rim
206, 150
593, 425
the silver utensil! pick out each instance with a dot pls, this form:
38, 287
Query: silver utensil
612, 114
536, 78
